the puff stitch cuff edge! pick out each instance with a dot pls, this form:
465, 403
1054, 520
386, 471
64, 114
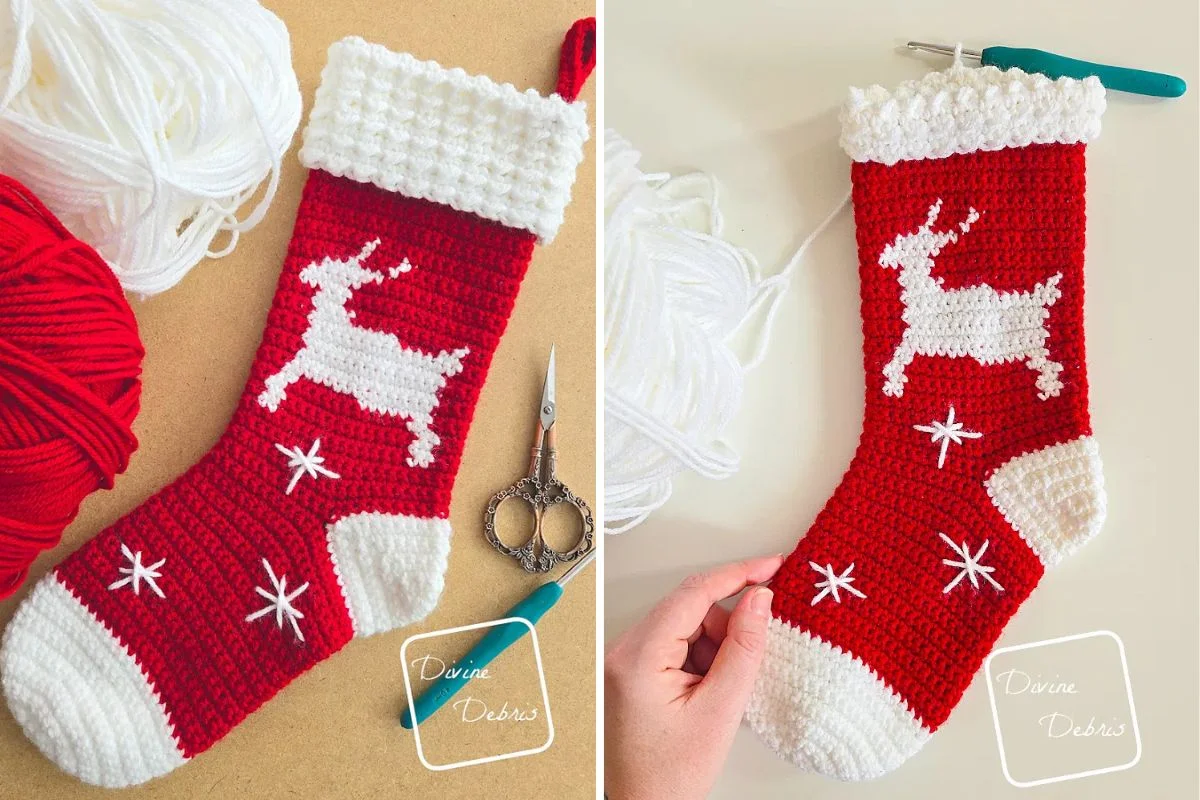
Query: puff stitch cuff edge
443, 135
966, 109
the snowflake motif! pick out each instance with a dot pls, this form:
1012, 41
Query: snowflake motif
833, 582
305, 463
280, 602
947, 432
137, 572
969, 567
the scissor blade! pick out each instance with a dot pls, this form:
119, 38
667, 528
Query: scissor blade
548, 407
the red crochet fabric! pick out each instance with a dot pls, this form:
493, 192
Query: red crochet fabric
975, 470
218, 522
321, 514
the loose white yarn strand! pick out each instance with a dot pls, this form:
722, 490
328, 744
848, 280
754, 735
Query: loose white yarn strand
675, 296
146, 125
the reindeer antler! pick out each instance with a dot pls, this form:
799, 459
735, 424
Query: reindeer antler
348, 273
911, 250
369, 248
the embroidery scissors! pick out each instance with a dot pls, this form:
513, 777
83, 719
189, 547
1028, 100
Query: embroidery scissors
542, 490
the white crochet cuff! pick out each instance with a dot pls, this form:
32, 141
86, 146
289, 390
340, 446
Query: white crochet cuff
963, 109
440, 134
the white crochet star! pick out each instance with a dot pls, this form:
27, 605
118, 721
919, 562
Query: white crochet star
833, 582
280, 602
137, 572
969, 566
305, 463
947, 432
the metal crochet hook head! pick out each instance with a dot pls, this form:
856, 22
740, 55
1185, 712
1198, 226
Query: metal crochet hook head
945, 50
577, 567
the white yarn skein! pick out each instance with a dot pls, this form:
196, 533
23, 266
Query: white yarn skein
675, 296
145, 125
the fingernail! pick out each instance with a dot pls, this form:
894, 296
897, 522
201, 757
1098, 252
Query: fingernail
760, 601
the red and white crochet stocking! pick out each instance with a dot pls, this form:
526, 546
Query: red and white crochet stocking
322, 512
976, 469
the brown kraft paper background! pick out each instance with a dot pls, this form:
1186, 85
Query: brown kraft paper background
334, 733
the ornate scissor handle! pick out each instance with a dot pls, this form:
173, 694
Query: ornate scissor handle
535, 555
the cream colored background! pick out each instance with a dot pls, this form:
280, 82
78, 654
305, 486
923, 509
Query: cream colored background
334, 733
750, 91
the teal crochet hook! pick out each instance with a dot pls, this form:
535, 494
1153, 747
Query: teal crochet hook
495, 642
1121, 79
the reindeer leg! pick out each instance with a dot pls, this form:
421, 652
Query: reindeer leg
1048, 382
276, 385
906, 351
420, 452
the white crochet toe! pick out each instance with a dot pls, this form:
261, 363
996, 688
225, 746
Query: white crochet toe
826, 712
80, 696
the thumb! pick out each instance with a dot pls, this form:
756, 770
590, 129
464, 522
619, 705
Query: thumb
730, 680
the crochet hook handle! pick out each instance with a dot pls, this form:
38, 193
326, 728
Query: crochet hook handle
1052, 65
1123, 79
495, 642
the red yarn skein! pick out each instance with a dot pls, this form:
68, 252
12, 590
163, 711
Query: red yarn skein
70, 366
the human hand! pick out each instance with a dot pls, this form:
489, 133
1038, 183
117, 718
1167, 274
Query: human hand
676, 685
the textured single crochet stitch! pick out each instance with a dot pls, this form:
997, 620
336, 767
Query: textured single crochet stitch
321, 514
976, 469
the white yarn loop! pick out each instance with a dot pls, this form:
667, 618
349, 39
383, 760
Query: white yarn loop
676, 296
145, 125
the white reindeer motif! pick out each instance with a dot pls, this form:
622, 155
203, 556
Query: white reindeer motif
373, 367
989, 326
